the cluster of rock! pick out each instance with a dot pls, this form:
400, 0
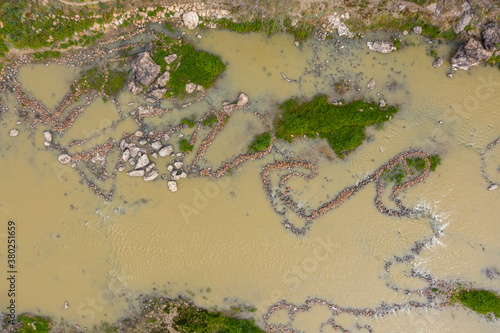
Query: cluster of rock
473, 51
138, 156
337, 22
145, 72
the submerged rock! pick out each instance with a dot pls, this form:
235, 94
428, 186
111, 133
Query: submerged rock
64, 158
491, 36
166, 151
437, 63
145, 69
371, 84
151, 176
136, 173
47, 136
158, 93
190, 20
381, 46
134, 88
142, 161
470, 54
242, 100
492, 187
172, 185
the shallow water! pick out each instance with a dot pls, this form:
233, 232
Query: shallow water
220, 242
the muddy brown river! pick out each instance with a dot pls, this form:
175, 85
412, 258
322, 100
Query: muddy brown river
220, 242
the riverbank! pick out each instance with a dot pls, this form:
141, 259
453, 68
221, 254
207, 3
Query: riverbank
51, 27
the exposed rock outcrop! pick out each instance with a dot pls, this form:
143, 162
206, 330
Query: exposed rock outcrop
190, 20
145, 71
381, 46
462, 23
491, 36
437, 63
470, 54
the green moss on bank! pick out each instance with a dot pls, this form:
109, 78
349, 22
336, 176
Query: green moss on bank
191, 66
191, 319
481, 301
30, 324
260, 143
342, 125
301, 30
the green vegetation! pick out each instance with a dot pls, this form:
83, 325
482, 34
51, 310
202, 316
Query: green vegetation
419, 163
195, 66
448, 34
260, 143
342, 125
47, 55
301, 30
190, 122
32, 324
389, 22
91, 80
341, 87
433, 53
185, 146
397, 43
210, 120
28, 24
192, 319
115, 83
481, 301
397, 174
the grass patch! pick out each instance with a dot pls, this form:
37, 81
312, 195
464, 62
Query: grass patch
481, 301
115, 83
210, 120
398, 175
193, 319
41, 324
91, 80
47, 55
342, 125
260, 143
190, 122
389, 22
185, 146
397, 43
195, 66
448, 34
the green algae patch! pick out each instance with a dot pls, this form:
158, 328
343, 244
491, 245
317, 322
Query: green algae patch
190, 66
27, 323
260, 143
192, 319
342, 125
185, 146
481, 301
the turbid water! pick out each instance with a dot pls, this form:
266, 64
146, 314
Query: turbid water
219, 241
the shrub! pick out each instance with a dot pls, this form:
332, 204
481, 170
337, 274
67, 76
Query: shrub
342, 125
185, 146
260, 143
481, 301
